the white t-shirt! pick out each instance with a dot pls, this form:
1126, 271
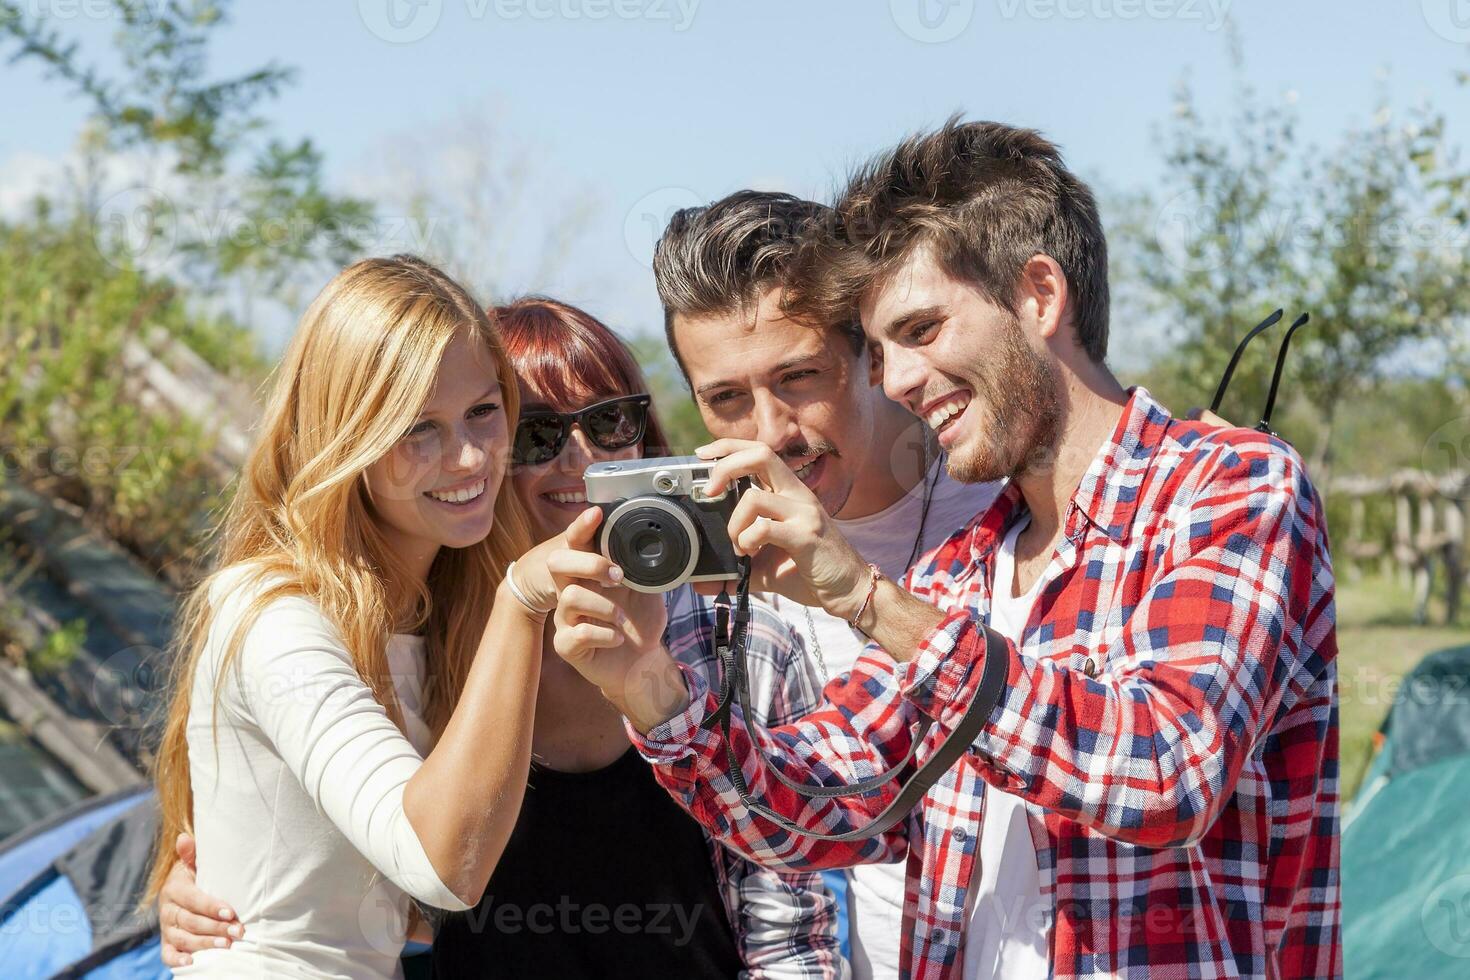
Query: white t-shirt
875, 891
298, 803
1005, 930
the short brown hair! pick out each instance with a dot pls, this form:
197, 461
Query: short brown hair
722, 258
986, 197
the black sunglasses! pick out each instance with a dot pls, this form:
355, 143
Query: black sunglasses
615, 423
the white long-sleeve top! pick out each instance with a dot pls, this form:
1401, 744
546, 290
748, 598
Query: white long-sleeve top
298, 796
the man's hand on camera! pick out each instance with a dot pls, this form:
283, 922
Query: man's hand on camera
795, 549
613, 636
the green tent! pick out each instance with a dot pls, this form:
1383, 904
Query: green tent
1406, 840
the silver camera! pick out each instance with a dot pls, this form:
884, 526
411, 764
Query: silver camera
659, 526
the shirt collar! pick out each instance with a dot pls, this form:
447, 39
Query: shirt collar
1108, 493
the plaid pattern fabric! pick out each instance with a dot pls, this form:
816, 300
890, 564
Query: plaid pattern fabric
785, 923
1169, 719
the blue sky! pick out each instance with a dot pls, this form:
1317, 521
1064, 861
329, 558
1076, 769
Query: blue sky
650, 104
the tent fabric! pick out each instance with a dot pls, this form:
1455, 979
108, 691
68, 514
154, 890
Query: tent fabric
1406, 841
28, 853
1406, 877
1431, 713
69, 891
109, 870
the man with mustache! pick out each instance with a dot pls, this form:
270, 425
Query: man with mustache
810, 390
1143, 620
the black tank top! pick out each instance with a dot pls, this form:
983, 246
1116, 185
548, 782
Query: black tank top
604, 876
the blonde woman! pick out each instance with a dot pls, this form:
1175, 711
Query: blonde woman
351, 718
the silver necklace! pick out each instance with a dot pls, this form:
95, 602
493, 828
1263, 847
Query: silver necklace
929, 485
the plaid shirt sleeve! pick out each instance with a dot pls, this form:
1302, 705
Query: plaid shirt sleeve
1223, 641
855, 733
786, 922
1146, 755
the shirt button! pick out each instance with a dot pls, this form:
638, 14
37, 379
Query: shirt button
937, 935
1089, 667
958, 835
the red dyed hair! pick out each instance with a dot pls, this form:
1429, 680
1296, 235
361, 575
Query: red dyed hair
571, 356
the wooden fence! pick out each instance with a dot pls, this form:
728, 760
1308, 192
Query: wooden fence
1410, 525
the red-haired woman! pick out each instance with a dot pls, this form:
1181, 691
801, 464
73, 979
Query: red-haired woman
604, 876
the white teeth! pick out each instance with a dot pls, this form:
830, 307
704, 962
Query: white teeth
569, 497
806, 468
459, 496
941, 414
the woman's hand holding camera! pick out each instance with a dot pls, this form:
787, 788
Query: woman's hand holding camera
808, 560
532, 576
613, 635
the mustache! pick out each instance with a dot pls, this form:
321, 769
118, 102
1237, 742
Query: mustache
795, 455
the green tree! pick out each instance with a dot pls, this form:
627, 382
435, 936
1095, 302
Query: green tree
671, 399
1367, 235
225, 197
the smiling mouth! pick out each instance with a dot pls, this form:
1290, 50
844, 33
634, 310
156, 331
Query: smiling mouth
566, 498
807, 472
944, 414
458, 498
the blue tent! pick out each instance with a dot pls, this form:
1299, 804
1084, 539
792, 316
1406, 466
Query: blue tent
68, 893
1406, 842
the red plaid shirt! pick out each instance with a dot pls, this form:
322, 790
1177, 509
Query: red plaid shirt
1169, 719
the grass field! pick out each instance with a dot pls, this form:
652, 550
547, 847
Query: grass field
1378, 643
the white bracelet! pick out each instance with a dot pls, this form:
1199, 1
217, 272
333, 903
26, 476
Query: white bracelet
515, 590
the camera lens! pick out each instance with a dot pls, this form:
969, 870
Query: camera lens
652, 546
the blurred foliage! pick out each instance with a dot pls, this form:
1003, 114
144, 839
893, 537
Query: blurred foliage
671, 399
1369, 236
69, 425
225, 196
59, 649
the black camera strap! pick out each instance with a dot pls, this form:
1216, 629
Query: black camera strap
730, 640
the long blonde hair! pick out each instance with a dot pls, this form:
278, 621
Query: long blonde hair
357, 374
